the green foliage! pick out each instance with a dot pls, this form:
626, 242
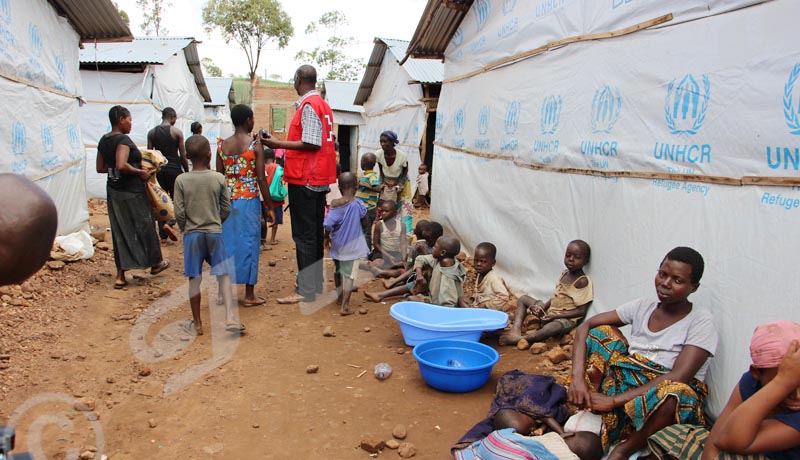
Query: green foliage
210, 68
153, 11
123, 15
251, 24
330, 56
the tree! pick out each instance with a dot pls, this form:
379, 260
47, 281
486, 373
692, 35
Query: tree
153, 11
210, 68
251, 24
331, 56
123, 15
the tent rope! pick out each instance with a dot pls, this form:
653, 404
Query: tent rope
40, 86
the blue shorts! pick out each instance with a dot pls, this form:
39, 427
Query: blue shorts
278, 210
201, 247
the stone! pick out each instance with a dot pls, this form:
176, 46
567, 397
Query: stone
312, 369
392, 444
401, 351
86, 455
363, 311
5, 298
110, 380
99, 235
566, 340
256, 425
557, 355
366, 329
328, 332
407, 450
523, 344
85, 404
15, 301
400, 431
27, 288
145, 372
372, 446
92, 416
538, 348
152, 422
103, 246
55, 264
272, 263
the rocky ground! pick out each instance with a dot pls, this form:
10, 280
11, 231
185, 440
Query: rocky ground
91, 372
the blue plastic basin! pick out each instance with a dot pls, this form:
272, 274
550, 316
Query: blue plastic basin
456, 366
421, 321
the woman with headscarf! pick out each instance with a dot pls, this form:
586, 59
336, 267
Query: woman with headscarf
129, 212
241, 160
393, 166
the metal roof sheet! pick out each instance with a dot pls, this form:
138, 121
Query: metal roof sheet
436, 28
340, 95
424, 71
93, 19
221, 90
148, 50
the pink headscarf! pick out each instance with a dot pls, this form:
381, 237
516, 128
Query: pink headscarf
771, 342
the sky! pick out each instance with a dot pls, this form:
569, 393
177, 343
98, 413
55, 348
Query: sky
367, 19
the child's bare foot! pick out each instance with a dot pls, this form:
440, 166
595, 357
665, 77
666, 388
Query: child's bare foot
192, 327
509, 338
372, 296
388, 283
345, 312
273, 242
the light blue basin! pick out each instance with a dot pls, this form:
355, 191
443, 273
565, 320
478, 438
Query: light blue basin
421, 321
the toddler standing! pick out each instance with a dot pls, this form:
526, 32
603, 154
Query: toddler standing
369, 190
421, 197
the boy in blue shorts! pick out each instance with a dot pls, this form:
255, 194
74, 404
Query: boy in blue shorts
202, 203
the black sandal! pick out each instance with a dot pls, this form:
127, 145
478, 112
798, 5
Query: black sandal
160, 267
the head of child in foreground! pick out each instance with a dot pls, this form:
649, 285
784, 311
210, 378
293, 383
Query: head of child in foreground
769, 345
368, 161
388, 209
484, 257
347, 183
679, 275
421, 229
423, 169
446, 247
584, 444
198, 151
577, 255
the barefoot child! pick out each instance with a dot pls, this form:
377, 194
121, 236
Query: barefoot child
272, 172
390, 242
421, 199
347, 243
565, 309
369, 190
490, 290
447, 276
427, 233
201, 205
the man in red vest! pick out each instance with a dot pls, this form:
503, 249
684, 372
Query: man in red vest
309, 168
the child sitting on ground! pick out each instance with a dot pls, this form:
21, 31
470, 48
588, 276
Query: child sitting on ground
762, 416
390, 241
430, 233
490, 290
202, 203
369, 190
421, 199
272, 172
565, 309
446, 278
419, 231
347, 243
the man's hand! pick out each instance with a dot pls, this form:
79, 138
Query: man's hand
579, 393
270, 142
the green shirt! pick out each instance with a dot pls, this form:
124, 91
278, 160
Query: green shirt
202, 202
367, 196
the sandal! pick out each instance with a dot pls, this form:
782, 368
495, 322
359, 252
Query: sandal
120, 284
235, 327
254, 303
160, 267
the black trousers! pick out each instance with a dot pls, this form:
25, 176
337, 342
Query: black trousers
166, 179
307, 211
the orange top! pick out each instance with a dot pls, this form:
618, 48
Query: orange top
240, 174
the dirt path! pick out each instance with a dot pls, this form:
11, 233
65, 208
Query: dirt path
153, 391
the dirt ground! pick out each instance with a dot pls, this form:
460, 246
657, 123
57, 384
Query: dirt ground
92, 371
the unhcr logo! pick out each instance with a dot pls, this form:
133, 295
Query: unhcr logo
483, 120
458, 121
47, 139
482, 9
439, 122
686, 104
36, 40
508, 6
5, 11
18, 138
74, 138
512, 117
791, 111
606, 107
551, 113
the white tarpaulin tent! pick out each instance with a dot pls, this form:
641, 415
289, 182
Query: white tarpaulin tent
681, 129
391, 95
146, 76
348, 118
40, 87
217, 123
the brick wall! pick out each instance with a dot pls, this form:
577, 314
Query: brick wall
265, 100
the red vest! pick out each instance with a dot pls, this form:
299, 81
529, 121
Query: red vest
311, 167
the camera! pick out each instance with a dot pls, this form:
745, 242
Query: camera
264, 133
7, 445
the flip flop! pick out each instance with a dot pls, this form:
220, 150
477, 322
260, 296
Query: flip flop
254, 303
118, 285
235, 327
160, 267
188, 328
294, 298
170, 232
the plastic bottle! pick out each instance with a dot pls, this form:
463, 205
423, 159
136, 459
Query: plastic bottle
383, 371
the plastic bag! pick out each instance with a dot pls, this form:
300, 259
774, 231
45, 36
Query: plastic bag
72, 247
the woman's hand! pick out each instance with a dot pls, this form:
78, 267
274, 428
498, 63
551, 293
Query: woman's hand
145, 175
579, 393
601, 403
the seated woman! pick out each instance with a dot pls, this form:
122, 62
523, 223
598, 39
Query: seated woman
762, 417
655, 377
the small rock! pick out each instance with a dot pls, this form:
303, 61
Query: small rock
566, 340
312, 369
363, 311
103, 246
85, 404
256, 425
91, 448
272, 263
401, 351
92, 416
86, 455
55, 264
400, 431
152, 422
366, 329
27, 288
15, 301
328, 332
523, 344
145, 372
5, 298
55, 356
110, 380
538, 348
336, 374
392, 444
372, 446
407, 450
557, 355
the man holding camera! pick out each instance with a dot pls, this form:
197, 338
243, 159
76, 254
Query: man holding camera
310, 167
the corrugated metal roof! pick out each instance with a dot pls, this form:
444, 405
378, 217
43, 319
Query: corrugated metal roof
436, 28
93, 19
221, 90
424, 71
148, 50
340, 95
